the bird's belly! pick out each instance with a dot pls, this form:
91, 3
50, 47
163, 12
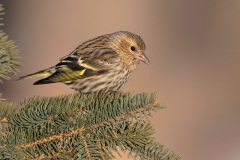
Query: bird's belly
101, 83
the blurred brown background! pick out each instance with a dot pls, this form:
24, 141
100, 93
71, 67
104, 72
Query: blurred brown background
193, 47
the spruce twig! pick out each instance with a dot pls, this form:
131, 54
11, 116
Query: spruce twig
9, 58
1, 99
1, 13
84, 126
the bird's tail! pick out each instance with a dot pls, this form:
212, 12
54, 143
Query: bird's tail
42, 73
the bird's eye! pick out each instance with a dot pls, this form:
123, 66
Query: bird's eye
133, 48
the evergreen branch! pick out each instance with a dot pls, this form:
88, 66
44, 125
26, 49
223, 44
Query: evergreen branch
9, 152
101, 150
85, 145
51, 127
8, 55
137, 138
153, 151
1, 13
6, 111
47, 119
156, 151
9, 58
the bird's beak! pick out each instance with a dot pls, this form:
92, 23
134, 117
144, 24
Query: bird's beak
144, 58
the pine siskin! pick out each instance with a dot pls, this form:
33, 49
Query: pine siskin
99, 65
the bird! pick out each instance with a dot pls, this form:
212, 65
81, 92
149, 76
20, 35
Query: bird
99, 65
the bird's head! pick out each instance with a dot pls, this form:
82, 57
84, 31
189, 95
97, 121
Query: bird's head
131, 47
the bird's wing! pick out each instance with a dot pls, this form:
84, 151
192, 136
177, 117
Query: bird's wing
81, 65
99, 59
